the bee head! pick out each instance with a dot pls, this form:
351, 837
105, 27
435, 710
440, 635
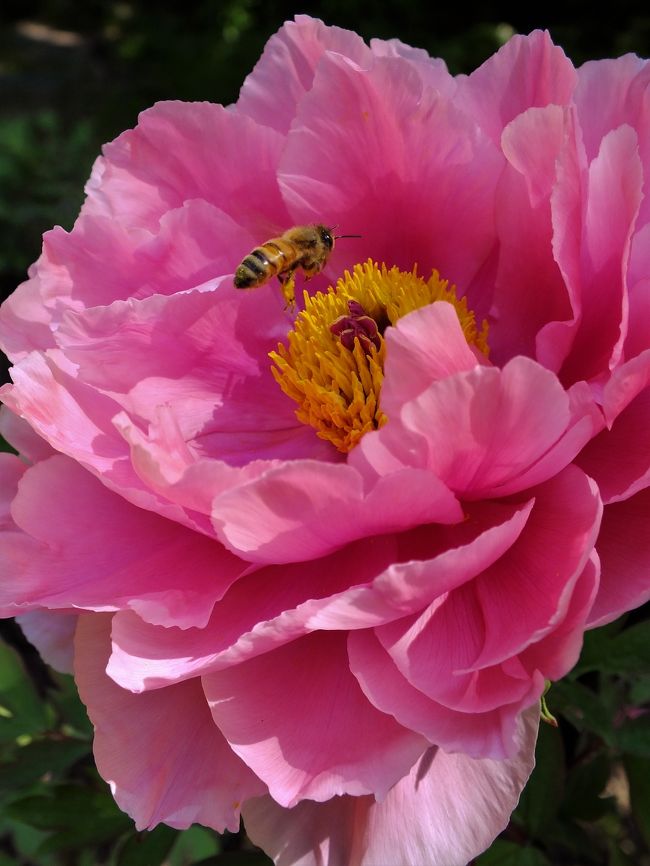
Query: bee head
326, 237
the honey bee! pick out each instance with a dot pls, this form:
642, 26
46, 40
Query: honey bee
304, 247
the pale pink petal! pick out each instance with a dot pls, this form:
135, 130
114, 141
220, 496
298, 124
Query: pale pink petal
446, 811
320, 737
624, 549
53, 636
160, 752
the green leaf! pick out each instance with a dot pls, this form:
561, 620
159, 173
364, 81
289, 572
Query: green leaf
237, 858
38, 759
93, 833
542, 795
147, 849
65, 806
504, 853
22, 712
627, 652
633, 736
640, 691
71, 711
638, 776
194, 844
584, 784
586, 710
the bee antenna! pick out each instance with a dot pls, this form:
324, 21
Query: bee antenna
337, 237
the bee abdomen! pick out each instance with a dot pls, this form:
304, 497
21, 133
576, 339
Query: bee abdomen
259, 265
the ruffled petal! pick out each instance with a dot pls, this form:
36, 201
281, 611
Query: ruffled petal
160, 752
318, 739
446, 811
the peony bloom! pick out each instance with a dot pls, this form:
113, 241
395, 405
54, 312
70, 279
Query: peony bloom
320, 563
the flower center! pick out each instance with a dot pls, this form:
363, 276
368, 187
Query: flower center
333, 364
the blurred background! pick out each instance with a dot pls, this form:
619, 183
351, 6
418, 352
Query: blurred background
75, 73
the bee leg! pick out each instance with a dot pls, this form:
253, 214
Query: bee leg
288, 285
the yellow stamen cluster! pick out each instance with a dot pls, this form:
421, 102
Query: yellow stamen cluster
337, 389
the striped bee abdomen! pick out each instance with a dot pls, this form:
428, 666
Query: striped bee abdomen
263, 263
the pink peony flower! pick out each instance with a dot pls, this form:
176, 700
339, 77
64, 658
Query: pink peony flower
321, 565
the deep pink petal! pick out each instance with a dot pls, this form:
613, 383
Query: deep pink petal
287, 66
305, 509
290, 601
528, 72
161, 752
410, 168
318, 739
479, 734
624, 549
487, 431
446, 811
171, 156
81, 545
531, 143
426, 345
611, 206
619, 458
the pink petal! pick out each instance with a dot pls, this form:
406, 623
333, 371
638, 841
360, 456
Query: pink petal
289, 601
363, 585
410, 168
426, 345
318, 739
160, 752
528, 72
12, 470
171, 157
287, 66
624, 549
449, 651
618, 458
446, 811
67, 555
611, 207
487, 431
478, 734
526, 594
531, 143
305, 509
21, 436
53, 636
